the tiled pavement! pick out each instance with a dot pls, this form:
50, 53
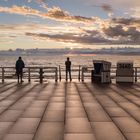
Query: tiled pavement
69, 111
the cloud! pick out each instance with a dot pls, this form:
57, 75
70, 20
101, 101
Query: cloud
126, 35
126, 21
54, 13
107, 35
71, 38
107, 8
135, 12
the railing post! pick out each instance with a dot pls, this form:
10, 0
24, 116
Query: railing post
82, 75
29, 75
59, 73
135, 74
2, 75
56, 74
41, 75
79, 74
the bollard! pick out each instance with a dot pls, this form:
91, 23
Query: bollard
41, 75
3, 74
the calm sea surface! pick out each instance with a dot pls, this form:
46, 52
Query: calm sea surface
56, 60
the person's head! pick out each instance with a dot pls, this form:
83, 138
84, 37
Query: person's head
68, 58
19, 58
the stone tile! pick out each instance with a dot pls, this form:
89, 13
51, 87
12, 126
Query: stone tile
20, 106
75, 112
54, 116
133, 136
4, 126
2, 109
116, 112
74, 136
10, 115
57, 99
38, 103
18, 137
116, 97
73, 97
33, 112
56, 106
74, 104
50, 131
107, 131
137, 102
97, 115
5, 103
127, 124
77, 125
135, 114
25, 126
129, 106
106, 101
131, 97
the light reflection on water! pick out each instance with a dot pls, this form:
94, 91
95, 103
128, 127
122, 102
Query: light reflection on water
60, 59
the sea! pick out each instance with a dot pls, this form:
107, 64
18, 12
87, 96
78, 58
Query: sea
76, 59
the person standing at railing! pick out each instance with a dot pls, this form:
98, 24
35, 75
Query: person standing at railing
19, 69
68, 68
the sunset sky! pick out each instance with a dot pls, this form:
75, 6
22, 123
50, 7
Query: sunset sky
69, 23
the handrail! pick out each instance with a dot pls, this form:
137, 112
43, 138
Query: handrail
79, 72
88, 70
30, 73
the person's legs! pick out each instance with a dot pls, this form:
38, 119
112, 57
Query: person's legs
18, 77
66, 75
70, 75
21, 76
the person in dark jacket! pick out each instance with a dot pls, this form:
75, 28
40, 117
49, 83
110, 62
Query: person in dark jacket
68, 68
19, 68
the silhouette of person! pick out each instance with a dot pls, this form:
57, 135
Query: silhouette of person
19, 69
68, 68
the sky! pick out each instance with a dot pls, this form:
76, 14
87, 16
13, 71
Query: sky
69, 23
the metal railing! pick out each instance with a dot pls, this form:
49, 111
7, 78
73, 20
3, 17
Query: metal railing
41, 74
30, 73
86, 73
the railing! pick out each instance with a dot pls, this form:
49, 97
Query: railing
86, 73
75, 72
41, 74
30, 73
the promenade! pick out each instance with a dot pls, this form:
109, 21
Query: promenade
69, 111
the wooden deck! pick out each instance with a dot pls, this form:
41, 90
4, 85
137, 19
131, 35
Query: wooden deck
69, 111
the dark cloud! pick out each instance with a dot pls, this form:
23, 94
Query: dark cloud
126, 21
107, 7
110, 35
72, 38
130, 35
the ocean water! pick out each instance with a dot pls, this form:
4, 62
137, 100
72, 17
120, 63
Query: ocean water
56, 60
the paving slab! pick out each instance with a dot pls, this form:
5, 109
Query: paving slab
74, 136
107, 131
33, 112
127, 124
75, 112
54, 116
4, 127
116, 112
10, 115
133, 136
77, 125
25, 126
50, 131
18, 137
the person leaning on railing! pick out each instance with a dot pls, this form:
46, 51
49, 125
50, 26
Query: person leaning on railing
19, 69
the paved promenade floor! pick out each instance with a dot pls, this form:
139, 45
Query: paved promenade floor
69, 111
